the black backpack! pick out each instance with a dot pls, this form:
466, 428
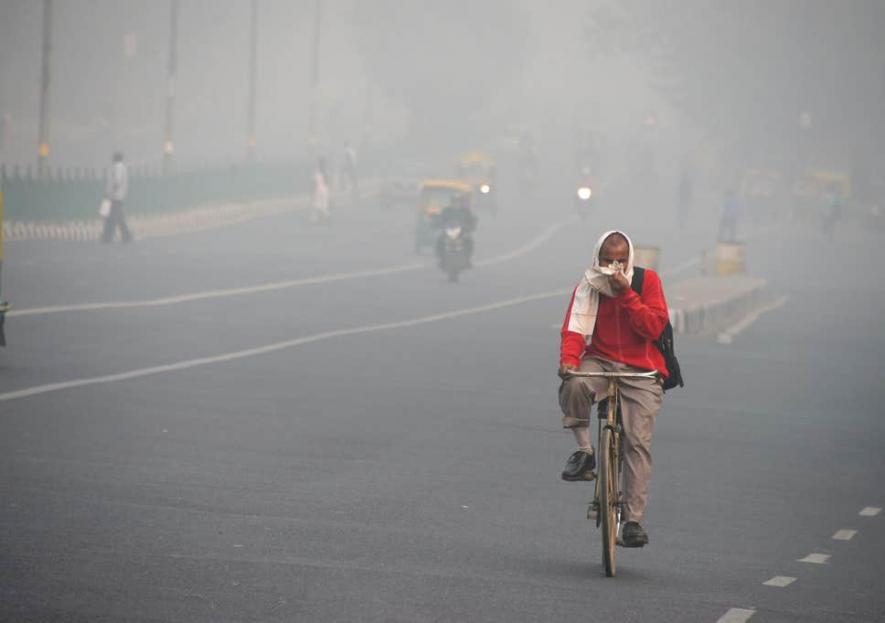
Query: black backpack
664, 342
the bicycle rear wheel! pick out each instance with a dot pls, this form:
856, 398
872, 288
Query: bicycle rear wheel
608, 499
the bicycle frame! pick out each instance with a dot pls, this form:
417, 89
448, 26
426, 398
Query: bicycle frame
608, 496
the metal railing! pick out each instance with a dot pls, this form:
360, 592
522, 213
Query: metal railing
69, 194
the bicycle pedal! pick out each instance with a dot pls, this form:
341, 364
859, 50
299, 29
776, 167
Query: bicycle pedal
592, 511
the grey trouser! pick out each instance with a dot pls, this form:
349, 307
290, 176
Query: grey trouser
640, 402
116, 219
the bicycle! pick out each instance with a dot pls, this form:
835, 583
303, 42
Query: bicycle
607, 504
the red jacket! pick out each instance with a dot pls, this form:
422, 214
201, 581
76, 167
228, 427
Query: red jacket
626, 327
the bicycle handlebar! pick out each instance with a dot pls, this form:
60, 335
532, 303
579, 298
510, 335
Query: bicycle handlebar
651, 374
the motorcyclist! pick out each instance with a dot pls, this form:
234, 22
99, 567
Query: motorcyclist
457, 214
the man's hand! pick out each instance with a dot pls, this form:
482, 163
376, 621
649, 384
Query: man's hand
565, 369
619, 282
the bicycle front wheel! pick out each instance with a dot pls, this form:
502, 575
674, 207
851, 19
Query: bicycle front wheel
608, 499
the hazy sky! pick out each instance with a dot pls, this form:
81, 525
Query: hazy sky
104, 99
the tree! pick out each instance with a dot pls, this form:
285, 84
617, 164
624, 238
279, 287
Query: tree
748, 70
443, 60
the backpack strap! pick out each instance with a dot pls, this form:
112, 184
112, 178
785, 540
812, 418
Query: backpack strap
638, 279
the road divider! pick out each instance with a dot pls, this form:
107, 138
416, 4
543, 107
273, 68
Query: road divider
704, 305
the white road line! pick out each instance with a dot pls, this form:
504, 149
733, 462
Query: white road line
211, 294
870, 511
278, 285
844, 535
780, 581
736, 615
269, 348
527, 248
727, 336
816, 559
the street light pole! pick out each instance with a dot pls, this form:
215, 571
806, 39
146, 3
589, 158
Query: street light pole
314, 74
253, 68
43, 146
168, 143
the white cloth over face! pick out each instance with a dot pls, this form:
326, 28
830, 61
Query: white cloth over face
595, 282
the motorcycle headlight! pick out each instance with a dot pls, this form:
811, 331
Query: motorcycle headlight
485, 189
584, 193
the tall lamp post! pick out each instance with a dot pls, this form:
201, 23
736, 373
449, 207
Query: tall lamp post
314, 74
253, 68
168, 142
43, 146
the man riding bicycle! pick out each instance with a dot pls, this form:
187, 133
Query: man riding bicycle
609, 327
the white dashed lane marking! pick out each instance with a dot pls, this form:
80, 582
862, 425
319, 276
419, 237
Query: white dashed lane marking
844, 535
736, 615
816, 559
780, 581
870, 511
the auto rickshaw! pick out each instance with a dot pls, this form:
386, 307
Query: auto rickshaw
434, 196
478, 169
810, 192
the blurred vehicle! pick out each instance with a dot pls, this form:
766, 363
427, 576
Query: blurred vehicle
434, 196
815, 192
454, 252
584, 194
478, 170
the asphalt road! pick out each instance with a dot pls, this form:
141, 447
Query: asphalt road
393, 452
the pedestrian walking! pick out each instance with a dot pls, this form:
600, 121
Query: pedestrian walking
116, 189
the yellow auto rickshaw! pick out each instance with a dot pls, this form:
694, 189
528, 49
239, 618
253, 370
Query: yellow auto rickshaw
810, 192
478, 170
434, 196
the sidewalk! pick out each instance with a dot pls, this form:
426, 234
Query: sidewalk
169, 224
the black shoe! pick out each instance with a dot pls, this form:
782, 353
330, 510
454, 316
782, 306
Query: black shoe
579, 467
632, 535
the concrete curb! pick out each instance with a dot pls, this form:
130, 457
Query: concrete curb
704, 305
